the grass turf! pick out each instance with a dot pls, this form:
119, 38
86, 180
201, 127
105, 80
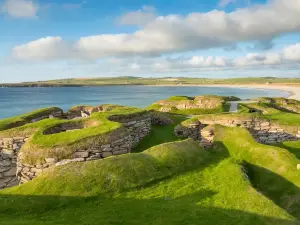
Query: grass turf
272, 170
211, 189
61, 145
160, 134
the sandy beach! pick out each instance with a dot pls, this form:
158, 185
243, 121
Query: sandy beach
293, 91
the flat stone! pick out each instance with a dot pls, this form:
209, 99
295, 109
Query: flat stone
2, 183
131, 123
11, 172
50, 160
106, 154
121, 152
106, 146
80, 154
4, 169
8, 152
63, 162
107, 149
4, 163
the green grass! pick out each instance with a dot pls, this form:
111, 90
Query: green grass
272, 170
178, 98
160, 134
155, 81
61, 145
238, 181
276, 115
206, 187
218, 104
25, 118
292, 146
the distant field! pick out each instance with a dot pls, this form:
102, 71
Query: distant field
153, 81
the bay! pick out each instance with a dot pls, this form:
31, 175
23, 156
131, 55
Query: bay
15, 101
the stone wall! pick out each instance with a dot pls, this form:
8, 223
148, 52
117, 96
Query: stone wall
56, 113
9, 148
262, 130
138, 126
116, 143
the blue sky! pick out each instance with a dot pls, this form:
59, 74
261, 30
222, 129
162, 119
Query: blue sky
51, 39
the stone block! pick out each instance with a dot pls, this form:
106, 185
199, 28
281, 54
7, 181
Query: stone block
80, 155
5, 163
11, 172
107, 149
120, 152
50, 160
131, 123
106, 154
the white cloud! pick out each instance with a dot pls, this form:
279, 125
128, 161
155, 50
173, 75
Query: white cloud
292, 53
140, 17
42, 49
174, 33
20, 8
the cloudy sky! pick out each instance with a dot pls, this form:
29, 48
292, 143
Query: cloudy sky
53, 39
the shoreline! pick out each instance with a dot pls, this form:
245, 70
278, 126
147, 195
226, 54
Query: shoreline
292, 91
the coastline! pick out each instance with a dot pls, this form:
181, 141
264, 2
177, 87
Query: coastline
293, 91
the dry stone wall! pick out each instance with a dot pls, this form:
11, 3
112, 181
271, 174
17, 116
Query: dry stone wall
262, 130
138, 126
9, 148
117, 143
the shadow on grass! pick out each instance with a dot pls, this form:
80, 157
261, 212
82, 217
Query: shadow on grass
292, 149
190, 209
50, 210
282, 192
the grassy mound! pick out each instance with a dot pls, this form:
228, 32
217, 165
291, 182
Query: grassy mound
95, 128
193, 105
25, 118
272, 170
289, 105
138, 189
117, 173
279, 115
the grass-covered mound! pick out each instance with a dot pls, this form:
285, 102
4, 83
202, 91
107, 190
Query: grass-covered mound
275, 114
286, 120
206, 187
118, 173
193, 105
45, 144
26, 118
284, 104
272, 170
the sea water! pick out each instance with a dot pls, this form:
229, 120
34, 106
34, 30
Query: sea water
15, 101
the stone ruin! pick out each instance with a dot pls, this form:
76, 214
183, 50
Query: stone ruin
14, 172
262, 130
